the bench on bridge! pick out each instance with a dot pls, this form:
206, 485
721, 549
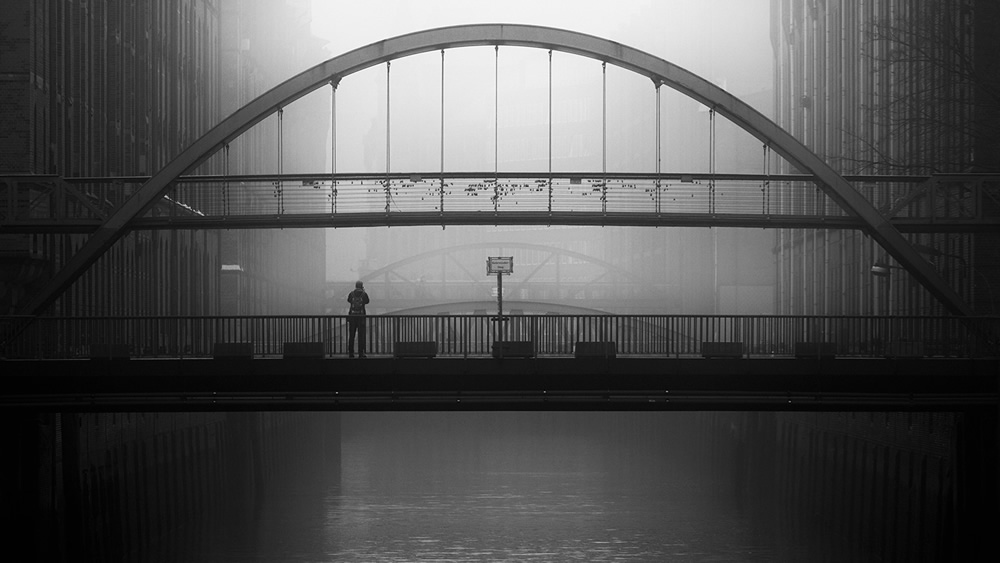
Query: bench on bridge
596, 349
816, 350
514, 349
414, 349
904, 349
233, 351
722, 349
302, 350
115, 351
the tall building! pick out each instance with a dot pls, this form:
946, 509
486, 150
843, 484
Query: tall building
890, 87
118, 89
271, 271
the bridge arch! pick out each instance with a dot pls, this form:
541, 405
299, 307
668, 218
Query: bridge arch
660, 71
552, 250
490, 307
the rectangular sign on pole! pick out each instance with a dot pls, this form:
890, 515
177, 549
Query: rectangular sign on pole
500, 265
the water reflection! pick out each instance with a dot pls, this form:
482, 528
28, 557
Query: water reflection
532, 517
457, 489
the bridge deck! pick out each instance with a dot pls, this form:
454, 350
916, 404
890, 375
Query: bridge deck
554, 383
514, 218
50, 204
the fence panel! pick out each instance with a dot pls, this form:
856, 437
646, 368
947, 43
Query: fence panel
474, 335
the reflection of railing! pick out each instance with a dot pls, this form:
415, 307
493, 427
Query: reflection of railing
474, 335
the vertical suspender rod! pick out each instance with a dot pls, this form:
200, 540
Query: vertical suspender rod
550, 132
658, 149
387, 137
496, 129
441, 207
281, 157
333, 146
604, 137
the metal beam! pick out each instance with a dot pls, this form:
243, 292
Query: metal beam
574, 218
658, 70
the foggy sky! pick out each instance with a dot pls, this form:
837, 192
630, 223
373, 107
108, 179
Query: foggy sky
723, 40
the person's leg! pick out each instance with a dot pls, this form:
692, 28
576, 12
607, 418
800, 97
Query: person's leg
361, 336
352, 327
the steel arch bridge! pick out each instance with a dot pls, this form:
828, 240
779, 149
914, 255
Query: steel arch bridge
861, 212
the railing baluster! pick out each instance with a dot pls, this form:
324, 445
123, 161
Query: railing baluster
473, 335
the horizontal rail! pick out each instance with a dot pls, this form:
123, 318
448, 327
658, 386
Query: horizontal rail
476, 335
913, 203
513, 218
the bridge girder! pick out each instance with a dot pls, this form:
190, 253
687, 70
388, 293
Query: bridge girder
660, 71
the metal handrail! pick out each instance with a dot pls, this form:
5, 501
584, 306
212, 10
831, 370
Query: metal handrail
474, 335
79, 204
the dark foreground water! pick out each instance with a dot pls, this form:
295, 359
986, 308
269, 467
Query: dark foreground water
391, 508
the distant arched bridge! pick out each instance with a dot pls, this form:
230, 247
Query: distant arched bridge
545, 283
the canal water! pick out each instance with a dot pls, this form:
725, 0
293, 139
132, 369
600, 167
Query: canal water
469, 496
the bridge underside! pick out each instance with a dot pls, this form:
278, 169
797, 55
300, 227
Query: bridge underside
480, 384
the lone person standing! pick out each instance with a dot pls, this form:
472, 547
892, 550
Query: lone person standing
356, 319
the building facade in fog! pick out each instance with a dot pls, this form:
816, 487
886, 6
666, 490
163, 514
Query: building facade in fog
118, 89
889, 87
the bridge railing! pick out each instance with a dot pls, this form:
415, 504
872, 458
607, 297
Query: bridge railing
929, 197
632, 193
475, 335
53, 204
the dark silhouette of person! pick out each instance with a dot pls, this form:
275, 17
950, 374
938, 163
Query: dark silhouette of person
356, 319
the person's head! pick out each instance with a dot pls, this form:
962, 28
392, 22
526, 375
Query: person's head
359, 285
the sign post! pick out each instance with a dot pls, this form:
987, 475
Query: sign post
501, 266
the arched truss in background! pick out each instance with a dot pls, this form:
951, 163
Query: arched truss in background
525, 274
490, 307
552, 251
658, 70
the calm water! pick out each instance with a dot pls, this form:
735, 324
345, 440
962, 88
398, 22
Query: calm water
393, 509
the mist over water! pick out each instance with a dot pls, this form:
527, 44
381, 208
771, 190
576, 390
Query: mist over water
506, 487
